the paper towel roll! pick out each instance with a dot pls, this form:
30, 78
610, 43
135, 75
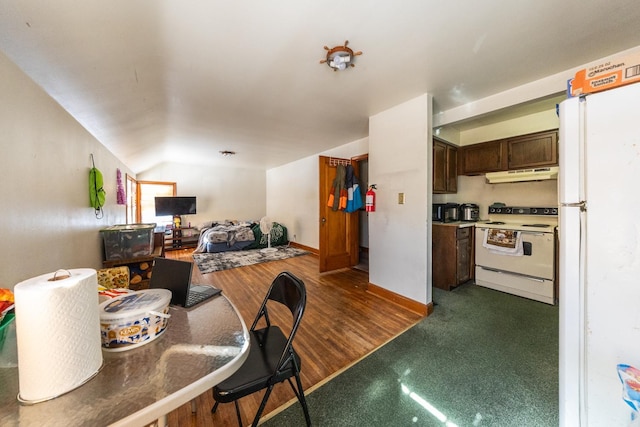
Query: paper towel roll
58, 333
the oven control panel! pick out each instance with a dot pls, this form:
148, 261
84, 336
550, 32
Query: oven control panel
515, 210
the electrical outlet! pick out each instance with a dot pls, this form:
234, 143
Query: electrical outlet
401, 198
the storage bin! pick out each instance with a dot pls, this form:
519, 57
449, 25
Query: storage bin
127, 241
134, 319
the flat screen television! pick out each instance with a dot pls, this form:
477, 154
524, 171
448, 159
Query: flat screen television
175, 206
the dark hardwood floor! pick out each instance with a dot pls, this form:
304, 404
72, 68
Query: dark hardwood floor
342, 323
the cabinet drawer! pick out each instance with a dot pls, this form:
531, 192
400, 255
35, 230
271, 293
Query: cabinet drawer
463, 233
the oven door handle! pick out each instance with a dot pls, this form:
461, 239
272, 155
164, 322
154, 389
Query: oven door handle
531, 233
535, 279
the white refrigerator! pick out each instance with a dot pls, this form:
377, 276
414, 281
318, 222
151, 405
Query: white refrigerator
599, 241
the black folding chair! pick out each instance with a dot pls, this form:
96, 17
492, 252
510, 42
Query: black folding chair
271, 358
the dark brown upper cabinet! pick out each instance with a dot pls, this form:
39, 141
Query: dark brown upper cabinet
533, 150
445, 167
480, 158
521, 152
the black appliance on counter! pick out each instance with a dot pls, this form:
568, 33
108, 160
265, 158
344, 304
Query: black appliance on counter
445, 212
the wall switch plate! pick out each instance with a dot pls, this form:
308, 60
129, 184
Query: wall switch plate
401, 198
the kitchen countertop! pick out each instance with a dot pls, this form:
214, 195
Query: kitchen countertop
457, 224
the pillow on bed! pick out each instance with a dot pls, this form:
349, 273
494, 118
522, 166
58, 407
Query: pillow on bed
278, 236
216, 236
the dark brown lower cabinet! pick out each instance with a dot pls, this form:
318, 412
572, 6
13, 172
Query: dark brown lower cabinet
452, 255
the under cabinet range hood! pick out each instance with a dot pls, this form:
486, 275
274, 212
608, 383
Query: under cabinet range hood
537, 174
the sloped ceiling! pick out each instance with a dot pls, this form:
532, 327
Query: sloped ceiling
181, 80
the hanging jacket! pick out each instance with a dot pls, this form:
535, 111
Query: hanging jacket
338, 194
354, 196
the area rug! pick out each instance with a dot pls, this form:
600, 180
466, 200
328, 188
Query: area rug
208, 263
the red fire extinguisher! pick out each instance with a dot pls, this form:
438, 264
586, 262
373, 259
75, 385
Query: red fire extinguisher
370, 199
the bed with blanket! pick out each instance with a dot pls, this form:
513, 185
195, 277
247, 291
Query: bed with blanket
236, 236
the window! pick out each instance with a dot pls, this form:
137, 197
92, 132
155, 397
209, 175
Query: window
132, 200
147, 191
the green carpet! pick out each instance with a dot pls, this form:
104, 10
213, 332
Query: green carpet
483, 358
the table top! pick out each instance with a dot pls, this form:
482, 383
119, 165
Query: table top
201, 347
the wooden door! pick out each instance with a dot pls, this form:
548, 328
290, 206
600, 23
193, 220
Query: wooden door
338, 229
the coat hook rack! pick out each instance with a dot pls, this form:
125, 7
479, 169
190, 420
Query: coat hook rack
335, 162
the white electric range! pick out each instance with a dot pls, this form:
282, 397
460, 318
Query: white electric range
515, 251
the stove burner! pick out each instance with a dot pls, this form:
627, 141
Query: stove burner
536, 225
511, 210
496, 222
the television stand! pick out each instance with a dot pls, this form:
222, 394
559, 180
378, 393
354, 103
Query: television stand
181, 238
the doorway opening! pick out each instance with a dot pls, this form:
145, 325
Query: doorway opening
363, 220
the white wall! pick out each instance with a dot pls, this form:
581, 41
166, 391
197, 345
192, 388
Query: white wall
222, 192
474, 189
294, 193
400, 235
47, 223
530, 123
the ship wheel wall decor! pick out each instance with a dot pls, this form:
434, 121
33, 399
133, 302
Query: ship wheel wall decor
340, 57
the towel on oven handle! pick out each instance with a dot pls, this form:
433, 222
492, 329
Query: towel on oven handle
503, 242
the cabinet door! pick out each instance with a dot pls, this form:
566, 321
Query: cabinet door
439, 167
533, 150
444, 256
452, 169
445, 167
463, 252
485, 157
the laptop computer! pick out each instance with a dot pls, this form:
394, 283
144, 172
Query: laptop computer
175, 275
